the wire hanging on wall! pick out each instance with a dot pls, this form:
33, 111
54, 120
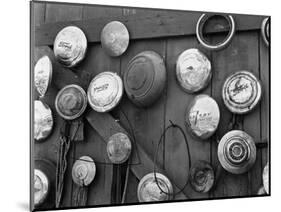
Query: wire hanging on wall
172, 125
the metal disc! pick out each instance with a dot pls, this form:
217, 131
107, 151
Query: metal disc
241, 92
118, 148
44, 183
237, 152
105, 91
202, 176
265, 31
193, 70
70, 46
43, 75
148, 190
145, 78
43, 120
202, 116
71, 102
265, 176
41, 187
83, 171
261, 191
200, 26
115, 38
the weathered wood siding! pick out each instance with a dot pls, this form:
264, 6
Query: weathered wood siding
175, 34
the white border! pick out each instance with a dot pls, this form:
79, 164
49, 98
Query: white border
14, 84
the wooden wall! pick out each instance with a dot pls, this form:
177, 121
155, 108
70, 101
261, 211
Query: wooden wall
247, 51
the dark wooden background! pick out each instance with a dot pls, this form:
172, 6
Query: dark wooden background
168, 33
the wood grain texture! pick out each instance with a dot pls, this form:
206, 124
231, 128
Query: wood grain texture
252, 120
95, 62
106, 125
241, 54
96, 11
39, 10
63, 12
61, 78
220, 72
99, 192
177, 101
147, 123
139, 27
167, 33
48, 148
264, 60
131, 196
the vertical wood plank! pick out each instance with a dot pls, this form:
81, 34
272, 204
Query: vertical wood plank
99, 191
48, 148
148, 123
131, 194
221, 70
95, 62
239, 55
265, 102
56, 13
252, 120
176, 158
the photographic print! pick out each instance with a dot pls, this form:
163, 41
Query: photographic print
138, 105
